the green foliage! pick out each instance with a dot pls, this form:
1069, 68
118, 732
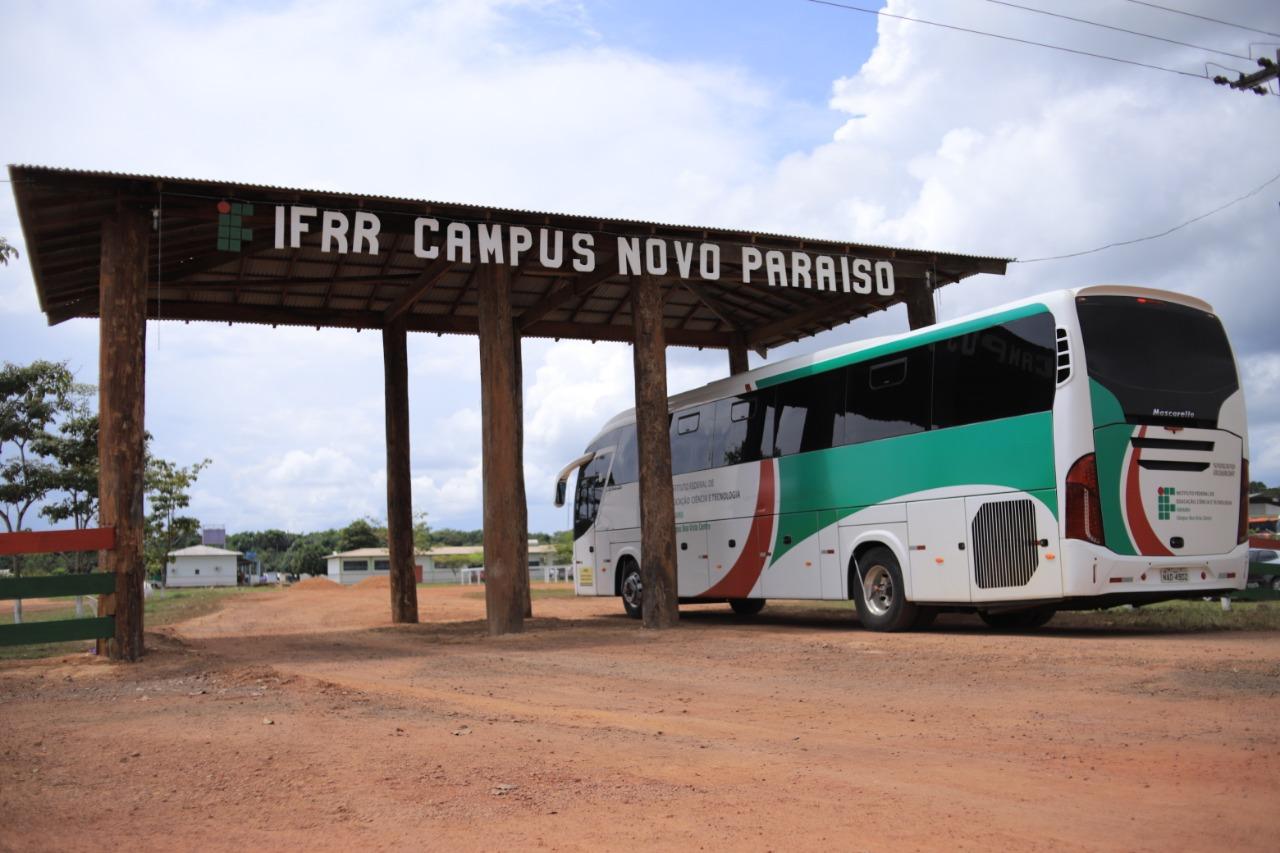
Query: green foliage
6, 251
32, 399
361, 534
270, 546
447, 536
563, 540
168, 491
306, 554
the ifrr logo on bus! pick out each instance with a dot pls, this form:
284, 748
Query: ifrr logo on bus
231, 230
1165, 507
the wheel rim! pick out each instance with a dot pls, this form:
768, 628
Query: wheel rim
877, 590
632, 591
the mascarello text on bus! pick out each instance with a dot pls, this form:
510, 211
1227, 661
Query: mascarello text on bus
1080, 449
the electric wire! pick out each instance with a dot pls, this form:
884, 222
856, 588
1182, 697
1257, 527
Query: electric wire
883, 14
1164, 233
1117, 29
1203, 17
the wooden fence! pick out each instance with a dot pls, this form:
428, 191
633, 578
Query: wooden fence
96, 583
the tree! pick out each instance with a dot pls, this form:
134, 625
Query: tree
32, 397
6, 251
421, 532
306, 555
270, 547
360, 534
563, 541
74, 451
167, 485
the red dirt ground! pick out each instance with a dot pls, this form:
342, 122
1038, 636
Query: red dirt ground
302, 719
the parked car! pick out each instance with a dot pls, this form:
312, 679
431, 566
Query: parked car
1269, 560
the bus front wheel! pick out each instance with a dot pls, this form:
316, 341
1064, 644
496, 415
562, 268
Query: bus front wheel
632, 591
746, 606
881, 598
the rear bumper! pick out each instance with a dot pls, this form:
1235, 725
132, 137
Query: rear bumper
1095, 571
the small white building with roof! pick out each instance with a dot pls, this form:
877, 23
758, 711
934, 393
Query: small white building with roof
203, 565
348, 567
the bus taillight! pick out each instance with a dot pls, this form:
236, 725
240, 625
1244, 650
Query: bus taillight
1084, 510
1242, 533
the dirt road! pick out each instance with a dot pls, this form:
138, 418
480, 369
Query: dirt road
301, 719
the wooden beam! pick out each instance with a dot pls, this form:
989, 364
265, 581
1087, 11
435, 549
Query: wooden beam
713, 305
786, 326
395, 363
738, 356
657, 503
433, 272
121, 433
920, 308
575, 289
504, 536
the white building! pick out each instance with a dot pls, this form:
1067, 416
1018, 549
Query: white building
348, 567
203, 565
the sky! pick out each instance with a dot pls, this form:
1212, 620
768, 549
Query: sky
773, 115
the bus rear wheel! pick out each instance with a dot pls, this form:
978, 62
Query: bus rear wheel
746, 606
632, 590
1019, 620
880, 597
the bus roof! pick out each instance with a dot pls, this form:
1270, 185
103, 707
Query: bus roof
832, 357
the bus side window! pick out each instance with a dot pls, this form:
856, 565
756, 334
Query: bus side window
889, 397
810, 413
740, 434
1000, 372
691, 432
626, 463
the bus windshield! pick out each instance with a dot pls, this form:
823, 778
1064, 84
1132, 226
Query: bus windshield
1165, 363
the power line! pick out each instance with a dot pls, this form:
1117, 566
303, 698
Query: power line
1250, 194
1204, 18
1118, 29
883, 14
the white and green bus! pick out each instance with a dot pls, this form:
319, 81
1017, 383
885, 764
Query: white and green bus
1080, 449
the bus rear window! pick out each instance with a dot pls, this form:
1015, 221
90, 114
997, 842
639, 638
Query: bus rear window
1166, 363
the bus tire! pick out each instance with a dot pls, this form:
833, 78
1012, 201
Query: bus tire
880, 596
1019, 620
746, 606
632, 590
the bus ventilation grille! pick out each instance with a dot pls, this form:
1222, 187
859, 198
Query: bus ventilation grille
1005, 547
1064, 356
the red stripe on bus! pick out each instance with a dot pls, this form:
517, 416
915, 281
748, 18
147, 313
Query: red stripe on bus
1143, 536
737, 583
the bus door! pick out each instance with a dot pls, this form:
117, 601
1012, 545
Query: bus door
590, 548
691, 559
1013, 547
937, 545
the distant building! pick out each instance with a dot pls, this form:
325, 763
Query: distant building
348, 567
203, 565
1264, 506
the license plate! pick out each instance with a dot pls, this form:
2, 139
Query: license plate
1175, 576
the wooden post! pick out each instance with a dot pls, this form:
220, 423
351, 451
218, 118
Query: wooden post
122, 331
395, 363
657, 504
526, 593
920, 310
504, 535
738, 356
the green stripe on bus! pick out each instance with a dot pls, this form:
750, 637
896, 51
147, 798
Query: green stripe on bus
1110, 443
926, 336
1012, 453
54, 586
62, 631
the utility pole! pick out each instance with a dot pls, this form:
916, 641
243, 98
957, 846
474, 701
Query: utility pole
1255, 82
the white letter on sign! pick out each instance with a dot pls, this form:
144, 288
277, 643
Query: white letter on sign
751, 261
457, 242
584, 248
279, 226
296, 226
862, 276
629, 256
367, 228
655, 254
884, 278
490, 244
420, 226
333, 227
521, 241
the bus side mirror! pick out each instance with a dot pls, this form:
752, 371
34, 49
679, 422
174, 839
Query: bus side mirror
560, 488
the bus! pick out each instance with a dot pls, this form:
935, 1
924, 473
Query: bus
1080, 449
